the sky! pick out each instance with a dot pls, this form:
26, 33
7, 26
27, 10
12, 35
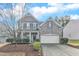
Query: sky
42, 11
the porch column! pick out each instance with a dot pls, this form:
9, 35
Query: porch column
38, 35
16, 34
30, 37
21, 34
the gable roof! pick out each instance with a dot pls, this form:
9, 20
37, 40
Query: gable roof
51, 21
28, 17
50, 27
72, 26
57, 24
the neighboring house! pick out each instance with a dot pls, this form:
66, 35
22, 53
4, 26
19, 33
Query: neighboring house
71, 30
3, 33
28, 27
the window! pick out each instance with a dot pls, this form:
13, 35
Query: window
25, 35
26, 26
50, 24
34, 25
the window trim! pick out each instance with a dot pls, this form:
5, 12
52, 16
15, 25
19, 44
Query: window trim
50, 25
34, 25
26, 26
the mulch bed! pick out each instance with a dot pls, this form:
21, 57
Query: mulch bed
26, 48
73, 46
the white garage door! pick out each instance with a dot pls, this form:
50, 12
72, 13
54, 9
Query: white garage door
49, 39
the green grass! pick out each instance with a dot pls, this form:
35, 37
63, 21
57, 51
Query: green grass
74, 42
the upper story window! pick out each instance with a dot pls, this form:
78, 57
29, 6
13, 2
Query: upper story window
49, 24
26, 26
34, 25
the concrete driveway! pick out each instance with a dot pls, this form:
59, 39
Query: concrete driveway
59, 50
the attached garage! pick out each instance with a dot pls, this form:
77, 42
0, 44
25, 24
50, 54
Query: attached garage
49, 38
50, 32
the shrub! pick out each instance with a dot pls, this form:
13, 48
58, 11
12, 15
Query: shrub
37, 40
18, 40
64, 40
10, 40
25, 40
36, 46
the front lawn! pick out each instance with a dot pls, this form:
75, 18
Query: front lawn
74, 42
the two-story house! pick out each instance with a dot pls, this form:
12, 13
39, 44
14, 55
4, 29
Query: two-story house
28, 27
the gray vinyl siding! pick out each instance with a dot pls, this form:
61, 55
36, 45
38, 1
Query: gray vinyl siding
44, 29
31, 28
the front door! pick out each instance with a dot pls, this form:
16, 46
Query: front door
34, 36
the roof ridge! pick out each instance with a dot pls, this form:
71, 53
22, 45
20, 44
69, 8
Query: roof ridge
57, 23
53, 21
28, 16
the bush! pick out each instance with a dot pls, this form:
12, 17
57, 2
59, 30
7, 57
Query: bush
36, 46
37, 40
64, 40
18, 40
10, 40
25, 40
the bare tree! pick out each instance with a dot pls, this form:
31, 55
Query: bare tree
63, 21
8, 19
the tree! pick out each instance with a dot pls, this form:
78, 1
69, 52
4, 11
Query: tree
9, 21
63, 21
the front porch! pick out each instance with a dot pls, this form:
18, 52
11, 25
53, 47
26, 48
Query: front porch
32, 36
